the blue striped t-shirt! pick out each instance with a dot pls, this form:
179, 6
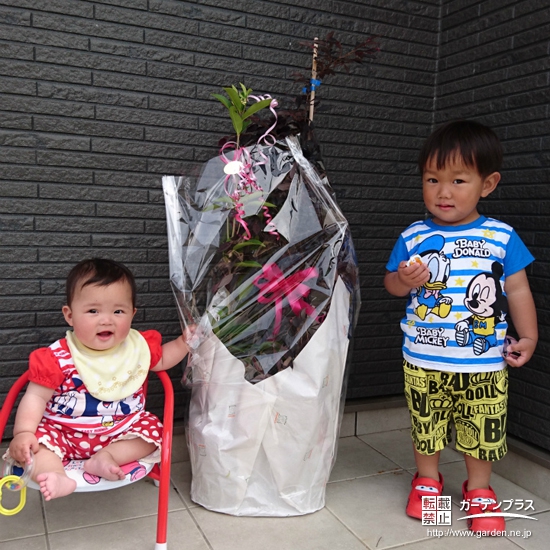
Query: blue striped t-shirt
457, 321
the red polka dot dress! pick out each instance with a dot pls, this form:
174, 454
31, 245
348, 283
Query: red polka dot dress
76, 424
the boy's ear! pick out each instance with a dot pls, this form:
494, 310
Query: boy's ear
490, 183
68, 314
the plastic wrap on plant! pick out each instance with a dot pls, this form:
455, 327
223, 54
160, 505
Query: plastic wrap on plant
269, 275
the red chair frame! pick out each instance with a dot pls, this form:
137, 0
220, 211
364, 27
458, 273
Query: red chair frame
160, 472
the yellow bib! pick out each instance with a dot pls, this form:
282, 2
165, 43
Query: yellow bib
113, 374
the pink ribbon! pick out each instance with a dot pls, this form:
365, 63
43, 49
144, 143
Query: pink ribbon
267, 134
272, 106
246, 183
274, 287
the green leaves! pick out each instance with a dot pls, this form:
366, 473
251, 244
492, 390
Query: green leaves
223, 100
251, 242
262, 104
237, 120
238, 99
249, 263
237, 106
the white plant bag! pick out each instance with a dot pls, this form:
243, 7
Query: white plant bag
268, 369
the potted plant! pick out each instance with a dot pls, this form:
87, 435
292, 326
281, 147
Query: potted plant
262, 261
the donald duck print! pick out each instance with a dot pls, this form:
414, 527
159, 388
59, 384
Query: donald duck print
430, 298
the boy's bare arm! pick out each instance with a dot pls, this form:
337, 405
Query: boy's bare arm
28, 417
400, 282
522, 310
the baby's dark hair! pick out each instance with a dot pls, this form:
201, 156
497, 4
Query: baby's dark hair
477, 145
98, 271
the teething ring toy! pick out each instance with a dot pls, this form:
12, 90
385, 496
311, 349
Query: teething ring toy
15, 478
22, 473
9, 482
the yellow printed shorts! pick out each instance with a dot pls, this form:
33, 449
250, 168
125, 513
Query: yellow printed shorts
475, 402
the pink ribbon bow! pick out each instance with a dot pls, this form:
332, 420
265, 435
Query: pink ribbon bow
274, 287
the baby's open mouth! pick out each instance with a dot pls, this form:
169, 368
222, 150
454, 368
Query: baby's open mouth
104, 334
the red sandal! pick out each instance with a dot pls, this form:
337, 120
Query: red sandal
483, 501
422, 487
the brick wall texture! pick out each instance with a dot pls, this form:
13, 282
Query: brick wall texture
493, 65
100, 98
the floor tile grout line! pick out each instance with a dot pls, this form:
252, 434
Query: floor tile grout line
111, 522
203, 534
174, 488
155, 514
409, 543
385, 472
16, 539
380, 452
403, 544
346, 527
45, 520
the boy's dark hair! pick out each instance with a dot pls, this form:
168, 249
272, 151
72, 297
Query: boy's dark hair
98, 271
477, 145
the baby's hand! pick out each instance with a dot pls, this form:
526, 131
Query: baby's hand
518, 353
193, 336
413, 275
21, 446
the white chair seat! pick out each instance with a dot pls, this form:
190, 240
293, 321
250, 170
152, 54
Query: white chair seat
86, 482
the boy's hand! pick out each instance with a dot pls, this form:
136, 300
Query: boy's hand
525, 347
414, 275
21, 446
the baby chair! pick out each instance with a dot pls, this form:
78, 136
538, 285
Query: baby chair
137, 470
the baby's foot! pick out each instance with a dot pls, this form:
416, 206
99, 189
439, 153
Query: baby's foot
55, 485
103, 465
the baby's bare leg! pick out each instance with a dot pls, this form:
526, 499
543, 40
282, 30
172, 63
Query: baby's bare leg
106, 463
50, 475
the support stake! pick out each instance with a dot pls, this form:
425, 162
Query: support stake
313, 78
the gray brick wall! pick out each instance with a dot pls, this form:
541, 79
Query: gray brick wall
99, 99
493, 67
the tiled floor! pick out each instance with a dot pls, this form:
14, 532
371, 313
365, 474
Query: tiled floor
364, 508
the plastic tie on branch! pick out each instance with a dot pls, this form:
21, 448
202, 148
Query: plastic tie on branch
315, 83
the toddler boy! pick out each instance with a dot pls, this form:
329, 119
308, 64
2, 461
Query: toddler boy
463, 274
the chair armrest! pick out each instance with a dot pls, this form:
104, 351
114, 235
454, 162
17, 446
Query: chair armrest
10, 400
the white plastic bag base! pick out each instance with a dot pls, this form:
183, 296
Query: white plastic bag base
267, 449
